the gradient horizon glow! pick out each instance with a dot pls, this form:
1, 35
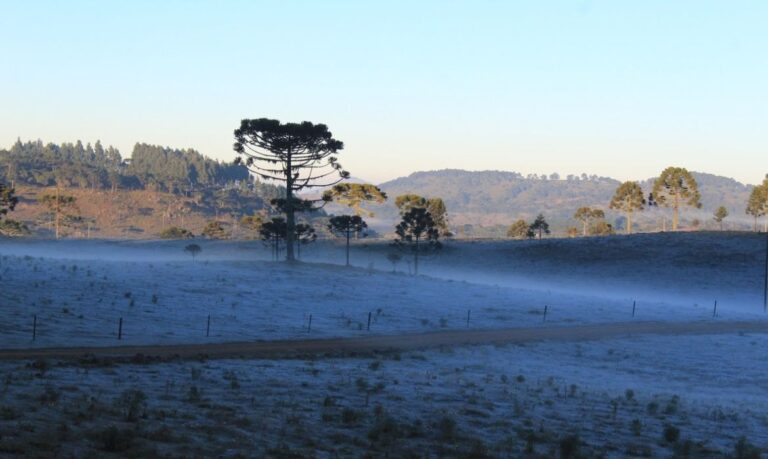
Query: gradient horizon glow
614, 88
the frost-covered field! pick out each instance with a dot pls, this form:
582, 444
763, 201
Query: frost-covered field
79, 290
699, 396
637, 396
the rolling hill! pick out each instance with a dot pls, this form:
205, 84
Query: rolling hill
494, 199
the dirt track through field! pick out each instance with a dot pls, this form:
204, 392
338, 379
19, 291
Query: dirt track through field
383, 343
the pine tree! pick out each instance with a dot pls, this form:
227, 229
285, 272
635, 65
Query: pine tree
301, 155
757, 205
418, 234
540, 226
354, 195
346, 226
675, 188
720, 215
586, 215
435, 207
629, 199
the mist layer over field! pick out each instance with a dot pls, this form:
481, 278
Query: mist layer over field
76, 292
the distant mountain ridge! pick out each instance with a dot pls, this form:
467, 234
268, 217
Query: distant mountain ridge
488, 198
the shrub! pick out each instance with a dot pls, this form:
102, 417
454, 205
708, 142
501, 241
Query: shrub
174, 232
746, 450
115, 440
671, 433
569, 447
131, 402
447, 429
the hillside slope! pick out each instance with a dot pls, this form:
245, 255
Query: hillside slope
487, 198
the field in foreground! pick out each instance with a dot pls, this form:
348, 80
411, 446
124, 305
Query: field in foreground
699, 396
643, 396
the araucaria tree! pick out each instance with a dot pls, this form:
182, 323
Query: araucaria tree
418, 234
193, 249
300, 155
720, 215
346, 226
757, 206
674, 188
355, 195
586, 215
629, 199
276, 230
540, 226
63, 209
435, 207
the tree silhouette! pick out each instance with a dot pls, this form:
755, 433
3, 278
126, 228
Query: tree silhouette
354, 195
435, 207
272, 232
720, 215
276, 230
628, 199
300, 155
193, 249
674, 188
63, 208
417, 234
518, 230
540, 226
346, 226
585, 215
8, 200
406, 202
394, 258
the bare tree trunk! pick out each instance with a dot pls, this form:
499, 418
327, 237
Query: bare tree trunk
629, 222
289, 214
416, 258
675, 213
348, 246
58, 209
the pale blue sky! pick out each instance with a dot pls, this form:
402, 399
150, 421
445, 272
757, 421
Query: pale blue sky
617, 88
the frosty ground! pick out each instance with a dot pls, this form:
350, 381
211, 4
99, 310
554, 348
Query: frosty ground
646, 395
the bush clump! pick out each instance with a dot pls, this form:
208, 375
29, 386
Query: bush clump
174, 232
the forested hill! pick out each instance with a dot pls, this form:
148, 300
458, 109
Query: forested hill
97, 167
497, 198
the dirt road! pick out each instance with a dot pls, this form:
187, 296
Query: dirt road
367, 344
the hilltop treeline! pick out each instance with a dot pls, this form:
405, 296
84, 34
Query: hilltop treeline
94, 166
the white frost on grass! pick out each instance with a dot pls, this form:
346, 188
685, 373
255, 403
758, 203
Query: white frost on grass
617, 395
81, 289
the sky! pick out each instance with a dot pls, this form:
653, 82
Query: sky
613, 88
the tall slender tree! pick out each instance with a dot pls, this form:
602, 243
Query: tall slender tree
346, 226
301, 155
629, 199
675, 188
586, 215
720, 214
63, 208
540, 226
418, 234
756, 205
